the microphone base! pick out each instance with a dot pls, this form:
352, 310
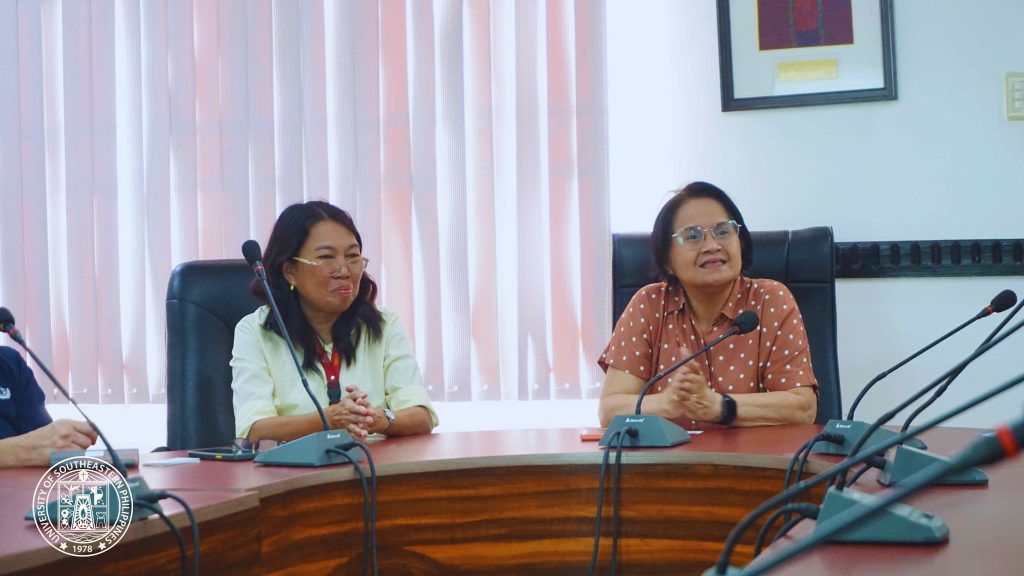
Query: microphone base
851, 431
139, 490
312, 451
904, 461
651, 432
896, 524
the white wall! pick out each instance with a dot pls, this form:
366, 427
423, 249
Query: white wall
144, 426
941, 162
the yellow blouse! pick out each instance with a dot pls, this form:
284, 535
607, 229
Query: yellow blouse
266, 384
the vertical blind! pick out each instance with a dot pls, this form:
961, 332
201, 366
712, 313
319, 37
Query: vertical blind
467, 138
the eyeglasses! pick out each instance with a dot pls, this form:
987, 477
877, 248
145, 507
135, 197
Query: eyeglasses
329, 266
694, 236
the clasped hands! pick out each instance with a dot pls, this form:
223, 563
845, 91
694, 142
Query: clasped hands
354, 414
686, 394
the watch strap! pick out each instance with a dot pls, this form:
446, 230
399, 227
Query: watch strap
728, 410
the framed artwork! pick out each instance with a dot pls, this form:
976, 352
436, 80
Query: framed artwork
781, 53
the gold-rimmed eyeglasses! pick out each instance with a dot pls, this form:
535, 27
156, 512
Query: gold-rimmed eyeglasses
329, 266
693, 236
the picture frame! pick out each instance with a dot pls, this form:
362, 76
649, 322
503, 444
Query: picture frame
784, 53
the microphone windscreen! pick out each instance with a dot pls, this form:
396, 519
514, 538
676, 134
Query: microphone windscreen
251, 251
745, 321
6, 319
1004, 301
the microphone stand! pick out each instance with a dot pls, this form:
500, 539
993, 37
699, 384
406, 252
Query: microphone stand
649, 430
876, 379
325, 448
906, 460
985, 450
877, 424
942, 389
722, 566
853, 430
139, 492
138, 488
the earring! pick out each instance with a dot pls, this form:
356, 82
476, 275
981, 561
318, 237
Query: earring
291, 287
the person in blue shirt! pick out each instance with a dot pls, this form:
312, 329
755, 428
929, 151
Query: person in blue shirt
27, 432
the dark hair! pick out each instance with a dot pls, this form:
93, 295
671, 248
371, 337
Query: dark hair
286, 240
664, 226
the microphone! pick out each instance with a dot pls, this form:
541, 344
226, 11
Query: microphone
1005, 442
252, 254
313, 450
141, 496
853, 430
859, 457
651, 431
722, 567
1002, 302
999, 303
877, 424
906, 460
7, 326
137, 485
745, 322
862, 456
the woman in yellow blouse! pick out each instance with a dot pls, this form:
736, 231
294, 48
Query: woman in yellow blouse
356, 356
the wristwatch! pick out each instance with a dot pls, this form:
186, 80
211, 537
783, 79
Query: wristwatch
728, 410
391, 418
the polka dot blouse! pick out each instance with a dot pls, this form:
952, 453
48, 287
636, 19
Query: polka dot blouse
657, 328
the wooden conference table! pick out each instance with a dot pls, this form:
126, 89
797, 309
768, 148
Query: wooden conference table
515, 502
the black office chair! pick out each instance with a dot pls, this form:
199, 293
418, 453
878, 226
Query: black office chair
205, 299
800, 259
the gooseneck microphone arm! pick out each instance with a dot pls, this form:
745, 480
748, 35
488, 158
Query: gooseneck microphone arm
251, 251
1009, 299
643, 391
884, 373
917, 395
1006, 442
140, 492
857, 457
1001, 301
745, 322
7, 326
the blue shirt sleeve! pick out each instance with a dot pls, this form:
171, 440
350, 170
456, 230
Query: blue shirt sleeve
22, 407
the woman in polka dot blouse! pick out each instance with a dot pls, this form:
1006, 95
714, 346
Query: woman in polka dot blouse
761, 378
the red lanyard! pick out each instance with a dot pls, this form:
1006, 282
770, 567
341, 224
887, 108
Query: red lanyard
332, 370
